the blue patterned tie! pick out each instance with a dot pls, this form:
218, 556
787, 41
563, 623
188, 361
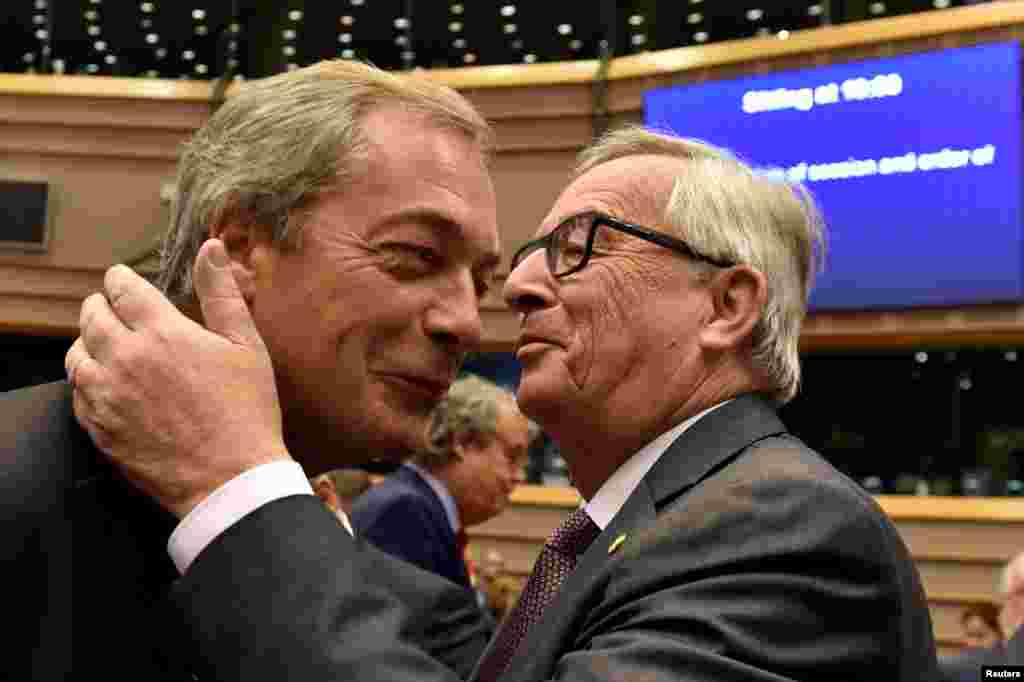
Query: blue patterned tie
555, 563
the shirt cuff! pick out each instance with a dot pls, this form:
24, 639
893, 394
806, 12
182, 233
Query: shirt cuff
226, 506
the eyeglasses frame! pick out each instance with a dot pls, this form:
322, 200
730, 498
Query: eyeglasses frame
645, 233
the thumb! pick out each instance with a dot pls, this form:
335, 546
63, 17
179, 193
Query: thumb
224, 309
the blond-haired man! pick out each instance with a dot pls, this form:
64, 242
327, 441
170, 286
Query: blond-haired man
357, 215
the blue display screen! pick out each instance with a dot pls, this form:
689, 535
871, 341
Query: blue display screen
914, 160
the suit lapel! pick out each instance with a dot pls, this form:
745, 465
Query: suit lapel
703, 449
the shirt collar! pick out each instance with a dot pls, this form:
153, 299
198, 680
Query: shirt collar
441, 490
612, 494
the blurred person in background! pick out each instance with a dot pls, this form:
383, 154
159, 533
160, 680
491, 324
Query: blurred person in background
997, 643
473, 457
980, 624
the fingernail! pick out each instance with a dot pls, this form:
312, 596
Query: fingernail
219, 256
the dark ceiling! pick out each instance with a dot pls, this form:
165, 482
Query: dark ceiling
204, 39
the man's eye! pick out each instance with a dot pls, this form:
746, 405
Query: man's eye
575, 248
415, 255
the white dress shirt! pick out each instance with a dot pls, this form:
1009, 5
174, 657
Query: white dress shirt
268, 482
614, 492
226, 506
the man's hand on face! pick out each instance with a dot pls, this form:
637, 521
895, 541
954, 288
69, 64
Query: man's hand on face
181, 409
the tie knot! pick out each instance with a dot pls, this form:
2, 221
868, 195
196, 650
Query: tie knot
574, 534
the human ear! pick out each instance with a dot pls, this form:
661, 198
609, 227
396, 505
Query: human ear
248, 248
738, 296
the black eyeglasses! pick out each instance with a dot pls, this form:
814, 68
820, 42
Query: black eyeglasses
569, 246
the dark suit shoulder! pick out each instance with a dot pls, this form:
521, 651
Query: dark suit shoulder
777, 547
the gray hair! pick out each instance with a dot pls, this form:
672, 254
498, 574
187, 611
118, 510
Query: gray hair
266, 154
469, 410
725, 210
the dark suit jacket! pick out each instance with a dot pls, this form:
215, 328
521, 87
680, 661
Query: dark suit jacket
403, 516
84, 556
747, 557
83, 550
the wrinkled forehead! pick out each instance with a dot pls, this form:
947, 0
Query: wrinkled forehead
632, 188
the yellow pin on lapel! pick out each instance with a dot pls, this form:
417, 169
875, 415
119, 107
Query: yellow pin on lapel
616, 543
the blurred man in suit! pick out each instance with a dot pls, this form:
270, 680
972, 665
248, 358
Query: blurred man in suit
660, 309
356, 211
474, 456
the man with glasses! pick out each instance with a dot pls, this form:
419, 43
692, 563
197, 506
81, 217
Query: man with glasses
660, 313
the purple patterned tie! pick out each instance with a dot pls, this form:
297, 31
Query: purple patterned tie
555, 563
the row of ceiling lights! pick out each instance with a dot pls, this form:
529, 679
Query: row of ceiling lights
637, 39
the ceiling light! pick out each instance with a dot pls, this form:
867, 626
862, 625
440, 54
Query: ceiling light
636, 20
695, 18
455, 26
288, 34
508, 10
565, 29
345, 38
529, 58
401, 23
755, 14
876, 7
510, 28
457, 9
814, 10
152, 38
469, 58
638, 39
147, 7
347, 20
459, 43
198, 14
576, 44
348, 54
701, 36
